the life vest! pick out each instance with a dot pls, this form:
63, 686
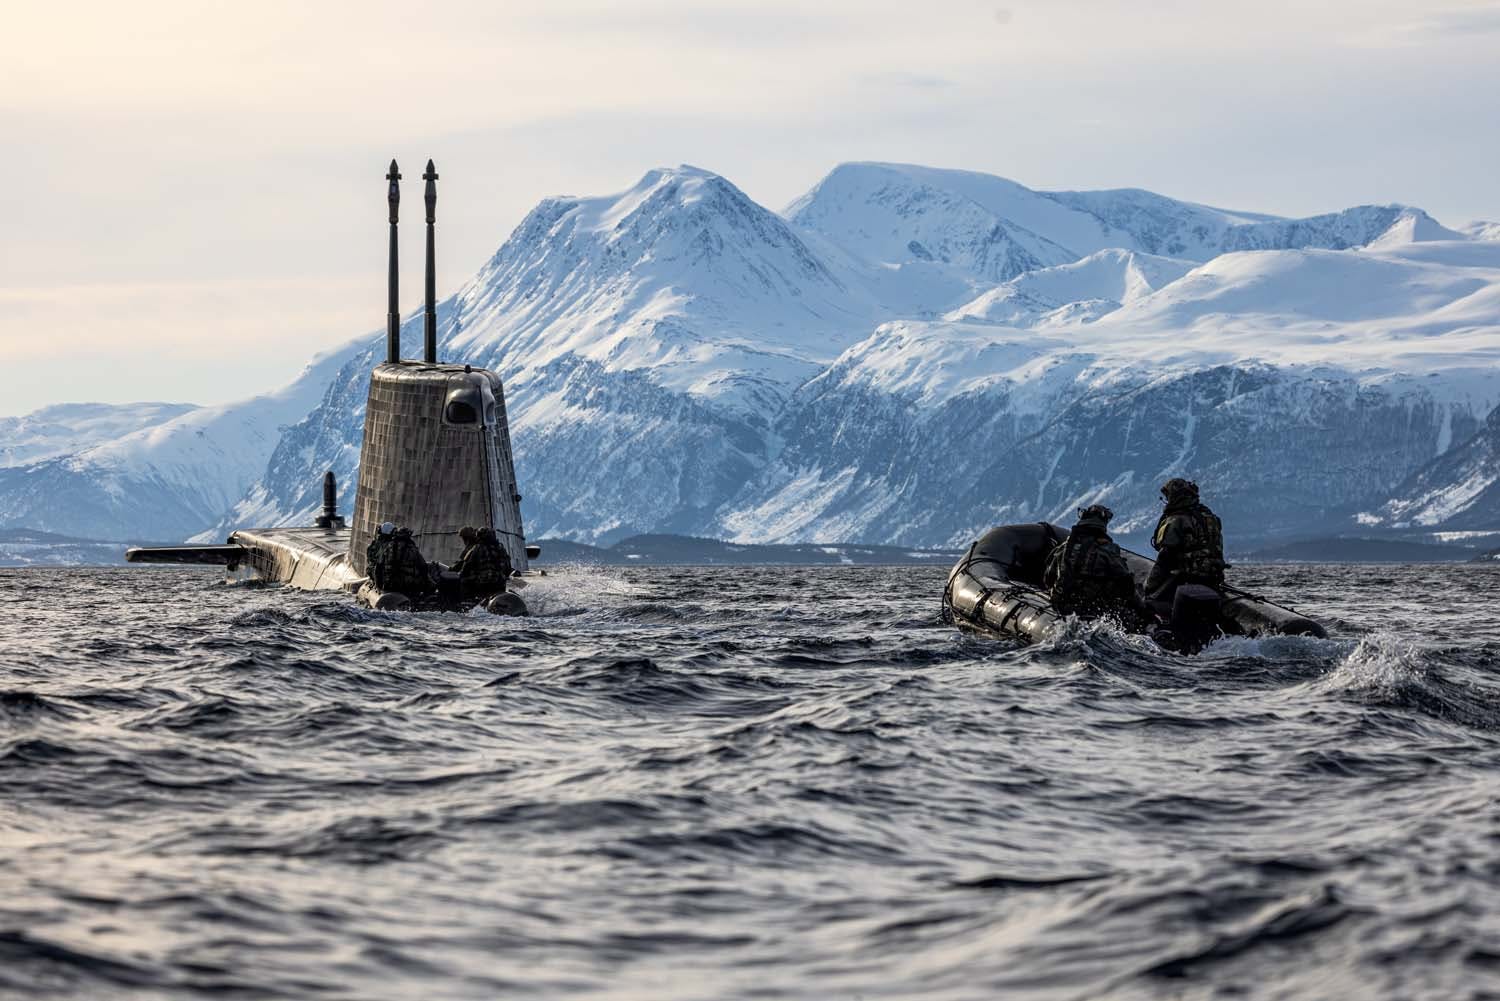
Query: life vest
1088, 575
396, 564
484, 566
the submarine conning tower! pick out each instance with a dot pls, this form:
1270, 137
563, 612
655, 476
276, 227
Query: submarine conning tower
436, 453
436, 457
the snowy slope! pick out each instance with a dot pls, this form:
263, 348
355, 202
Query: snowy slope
1162, 225
995, 229
166, 481
1408, 308
1414, 226
682, 275
72, 427
986, 228
1482, 230
1429, 309
1458, 491
1079, 292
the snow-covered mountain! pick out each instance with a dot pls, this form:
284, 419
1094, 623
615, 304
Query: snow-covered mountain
682, 276
1286, 382
164, 481
991, 229
1081, 291
1483, 230
906, 355
65, 428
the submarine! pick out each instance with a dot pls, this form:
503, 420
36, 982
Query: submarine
436, 458
996, 590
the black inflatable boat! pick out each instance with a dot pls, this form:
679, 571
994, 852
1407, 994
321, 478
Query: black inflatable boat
502, 603
996, 589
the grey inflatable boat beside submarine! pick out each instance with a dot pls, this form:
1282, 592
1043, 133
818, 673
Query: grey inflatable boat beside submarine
996, 590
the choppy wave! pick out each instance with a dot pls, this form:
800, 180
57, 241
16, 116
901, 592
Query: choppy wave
741, 783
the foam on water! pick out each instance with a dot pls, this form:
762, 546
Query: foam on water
1382, 663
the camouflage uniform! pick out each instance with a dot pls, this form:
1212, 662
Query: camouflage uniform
1087, 575
485, 565
394, 563
1189, 543
375, 556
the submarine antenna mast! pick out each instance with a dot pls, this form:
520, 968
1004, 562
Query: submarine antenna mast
393, 314
430, 316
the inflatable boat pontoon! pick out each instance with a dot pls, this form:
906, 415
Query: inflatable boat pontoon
501, 603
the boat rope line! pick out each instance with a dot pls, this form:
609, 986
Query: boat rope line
1015, 608
962, 568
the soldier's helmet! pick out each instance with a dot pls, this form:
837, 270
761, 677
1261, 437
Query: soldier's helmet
469, 534
1094, 516
1177, 488
386, 528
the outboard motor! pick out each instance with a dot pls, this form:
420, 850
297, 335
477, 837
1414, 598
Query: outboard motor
1195, 619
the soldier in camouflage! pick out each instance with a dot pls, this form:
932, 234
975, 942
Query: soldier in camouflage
484, 566
1189, 544
1087, 575
394, 562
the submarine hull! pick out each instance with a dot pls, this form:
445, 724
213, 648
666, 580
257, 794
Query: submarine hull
313, 559
317, 559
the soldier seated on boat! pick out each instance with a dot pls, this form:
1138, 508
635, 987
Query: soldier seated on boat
1087, 575
394, 562
484, 566
1189, 544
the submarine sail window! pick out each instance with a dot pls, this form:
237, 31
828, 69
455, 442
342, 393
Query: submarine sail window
465, 405
470, 401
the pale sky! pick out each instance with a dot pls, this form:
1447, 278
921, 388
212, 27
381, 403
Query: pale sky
192, 193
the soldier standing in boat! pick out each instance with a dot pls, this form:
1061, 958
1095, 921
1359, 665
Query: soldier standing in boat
1189, 544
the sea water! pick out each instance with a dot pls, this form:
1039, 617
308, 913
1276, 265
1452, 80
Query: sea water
746, 782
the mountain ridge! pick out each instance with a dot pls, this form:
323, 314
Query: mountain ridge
680, 359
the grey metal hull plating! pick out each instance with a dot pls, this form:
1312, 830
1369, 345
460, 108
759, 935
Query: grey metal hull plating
313, 559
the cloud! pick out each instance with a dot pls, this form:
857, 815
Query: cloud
1469, 21
912, 81
203, 342
1430, 27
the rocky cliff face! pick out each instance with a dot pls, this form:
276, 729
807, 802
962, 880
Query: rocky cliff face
1279, 452
1458, 492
